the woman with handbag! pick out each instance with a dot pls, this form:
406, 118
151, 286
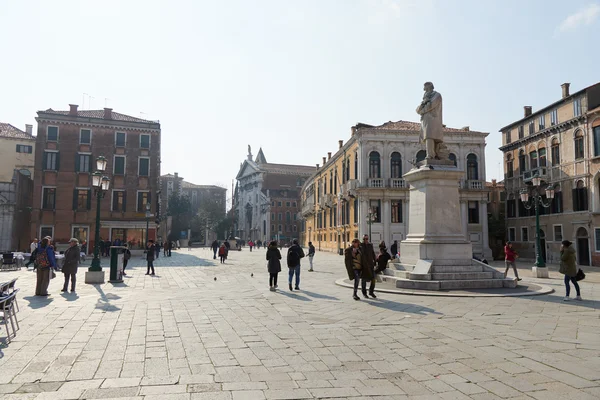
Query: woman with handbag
46, 264
273, 265
568, 267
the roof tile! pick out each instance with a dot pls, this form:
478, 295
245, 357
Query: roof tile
100, 115
7, 130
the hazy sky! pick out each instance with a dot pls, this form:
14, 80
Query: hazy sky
292, 77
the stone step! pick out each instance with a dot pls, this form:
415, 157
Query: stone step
401, 267
422, 285
398, 273
472, 284
464, 276
455, 268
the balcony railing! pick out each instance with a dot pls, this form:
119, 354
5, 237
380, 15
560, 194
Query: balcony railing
308, 206
376, 183
472, 184
398, 183
542, 172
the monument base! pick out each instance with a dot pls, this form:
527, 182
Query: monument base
94, 277
540, 272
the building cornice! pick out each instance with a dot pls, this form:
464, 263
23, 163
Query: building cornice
563, 126
97, 123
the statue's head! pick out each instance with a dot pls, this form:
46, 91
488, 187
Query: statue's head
428, 86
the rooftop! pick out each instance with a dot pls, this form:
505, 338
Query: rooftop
406, 126
99, 114
9, 131
189, 185
287, 168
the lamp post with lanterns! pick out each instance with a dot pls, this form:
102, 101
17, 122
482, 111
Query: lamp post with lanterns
101, 183
371, 217
531, 197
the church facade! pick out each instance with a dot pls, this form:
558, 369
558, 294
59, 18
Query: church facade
267, 199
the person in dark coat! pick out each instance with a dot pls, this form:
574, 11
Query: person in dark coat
126, 257
382, 259
273, 265
214, 246
353, 262
150, 256
568, 267
101, 244
70, 264
107, 248
223, 253
46, 263
170, 248
394, 249
157, 249
368, 271
295, 253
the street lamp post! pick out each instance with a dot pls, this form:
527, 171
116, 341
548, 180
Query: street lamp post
101, 184
535, 200
148, 215
370, 219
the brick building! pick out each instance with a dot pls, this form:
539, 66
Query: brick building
267, 199
560, 143
67, 145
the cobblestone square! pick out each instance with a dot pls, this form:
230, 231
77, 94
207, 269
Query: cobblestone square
203, 330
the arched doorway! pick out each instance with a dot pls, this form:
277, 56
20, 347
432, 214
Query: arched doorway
543, 244
583, 247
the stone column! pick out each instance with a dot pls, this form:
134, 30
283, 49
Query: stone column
405, 217
362, 217
487, 252
386, 221
464, 217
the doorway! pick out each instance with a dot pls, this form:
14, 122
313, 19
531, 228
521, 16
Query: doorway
543, 244
583, 247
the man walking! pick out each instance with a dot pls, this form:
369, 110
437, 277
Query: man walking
394, 249
33, 251
70, 264
215, 247
311, 254
150, 256
295, 253
353, 261
510, 259
368, 258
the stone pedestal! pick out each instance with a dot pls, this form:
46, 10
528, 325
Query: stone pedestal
540, 272
435, 230
94, 277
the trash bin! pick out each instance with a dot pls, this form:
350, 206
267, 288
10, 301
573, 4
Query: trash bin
116, 263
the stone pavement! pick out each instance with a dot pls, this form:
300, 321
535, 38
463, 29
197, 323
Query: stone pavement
184, 335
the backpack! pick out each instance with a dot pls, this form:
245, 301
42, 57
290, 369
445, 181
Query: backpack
293, 258
41, 259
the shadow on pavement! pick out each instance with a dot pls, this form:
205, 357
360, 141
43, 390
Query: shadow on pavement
36, 302
318, 295
104, 300
69, 296
594, 304
401, 307
293, 295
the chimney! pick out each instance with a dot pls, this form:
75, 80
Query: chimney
73, 109
466, 128
341, 143
353, 130
328, 155
526, 111
324, 161
29, 129
107, 113
317, 167
565, 90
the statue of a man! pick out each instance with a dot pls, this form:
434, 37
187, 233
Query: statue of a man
249, 149
432, 130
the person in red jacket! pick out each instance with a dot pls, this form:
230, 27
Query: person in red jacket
510, 257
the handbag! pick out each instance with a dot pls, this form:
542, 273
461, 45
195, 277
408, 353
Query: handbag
580, 275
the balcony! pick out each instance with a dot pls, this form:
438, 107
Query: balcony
474, 185
375, 183
348, 189
398, 183
329, 199
308, 206
542, 172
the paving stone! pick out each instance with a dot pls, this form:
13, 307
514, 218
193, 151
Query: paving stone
110, 393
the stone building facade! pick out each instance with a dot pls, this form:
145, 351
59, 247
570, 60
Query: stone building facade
15, 212
360, 188
17, 150
561, 144
64, 203
267, 199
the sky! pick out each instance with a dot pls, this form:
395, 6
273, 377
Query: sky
291, 77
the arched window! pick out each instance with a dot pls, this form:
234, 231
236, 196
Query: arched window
452, 158
542, 157
533, 159
509, 166
580, 197
374, 165
421, 154
596, 135
555, 152
396, 165
522, 162
578, 145
472, 170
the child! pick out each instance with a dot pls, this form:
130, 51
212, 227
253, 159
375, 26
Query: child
223, 253
273, 265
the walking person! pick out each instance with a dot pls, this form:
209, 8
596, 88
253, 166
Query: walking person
353, 262
70, 264
150, 257
394, 249
382, 260
46, 264
223, 253
273, 265
368, 259
165, 247
250, 244
126, 257
189, 245
568, 267
33, 251
215, 247
311, 254
157, 249
295, 253
107, 245
171, 244
510, 259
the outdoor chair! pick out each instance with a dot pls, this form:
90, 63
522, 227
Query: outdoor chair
8, 313
9, 262
10, 289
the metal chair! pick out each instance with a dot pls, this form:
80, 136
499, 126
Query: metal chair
8, 313
9, 261
11, 289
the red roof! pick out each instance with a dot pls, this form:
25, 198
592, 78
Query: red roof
7, 130
100, 115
